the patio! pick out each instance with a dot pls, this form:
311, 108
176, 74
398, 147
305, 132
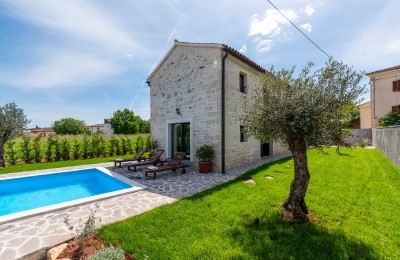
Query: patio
30, 238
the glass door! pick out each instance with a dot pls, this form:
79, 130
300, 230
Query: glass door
181, 138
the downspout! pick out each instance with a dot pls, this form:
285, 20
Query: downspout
223, 112
373, 102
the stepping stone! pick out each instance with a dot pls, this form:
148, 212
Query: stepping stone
249, 181
269, 177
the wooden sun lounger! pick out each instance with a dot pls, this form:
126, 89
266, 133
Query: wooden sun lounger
153, 160
138, 157
173, 165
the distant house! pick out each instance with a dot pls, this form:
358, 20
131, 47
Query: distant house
365, 115
40, 131
96, 128
385, 95
107, 127
195, 93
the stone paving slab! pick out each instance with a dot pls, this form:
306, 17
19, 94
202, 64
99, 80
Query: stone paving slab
30, 238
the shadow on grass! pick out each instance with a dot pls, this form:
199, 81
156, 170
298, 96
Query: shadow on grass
271, 237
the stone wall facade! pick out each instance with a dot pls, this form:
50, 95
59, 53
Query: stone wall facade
359, 135
189, 79
387, 140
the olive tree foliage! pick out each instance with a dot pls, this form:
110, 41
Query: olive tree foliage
12, 121
70, 126
304, 110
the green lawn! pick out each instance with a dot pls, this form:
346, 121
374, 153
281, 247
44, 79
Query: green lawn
355, 198
59, 164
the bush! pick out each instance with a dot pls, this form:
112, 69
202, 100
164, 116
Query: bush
57, 149
205, 153
49, 150
85, 147
109, 253
76, 149
11, 152
392, 118
26, 149
65, 149
37, 151
139, 143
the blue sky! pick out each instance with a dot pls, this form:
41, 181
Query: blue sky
86, 59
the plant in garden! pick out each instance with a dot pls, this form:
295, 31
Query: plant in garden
86, 149
123, 145
65, 149
26, 149
57, 148
139, 143
392, 118
83, 231
12, 153
76, 149
109, 253
49, 150
128, 143
301, 111
97, 148
125, 122
37, 150
151, 144
12, 122
70, 126
118, 150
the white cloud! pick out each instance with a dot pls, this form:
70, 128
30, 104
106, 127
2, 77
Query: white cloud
307, 27
264, 45
243, 49
271, 22
309, 10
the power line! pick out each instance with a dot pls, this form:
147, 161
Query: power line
299, 29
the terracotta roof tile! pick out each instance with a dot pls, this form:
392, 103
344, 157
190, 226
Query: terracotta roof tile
384, 70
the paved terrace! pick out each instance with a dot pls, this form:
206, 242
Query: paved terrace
30, 238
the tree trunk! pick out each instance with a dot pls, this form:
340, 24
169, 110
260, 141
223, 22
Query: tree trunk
3, 140
296, 203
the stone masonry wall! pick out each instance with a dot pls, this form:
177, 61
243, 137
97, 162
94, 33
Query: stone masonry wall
387, 140
190, 80
359, 135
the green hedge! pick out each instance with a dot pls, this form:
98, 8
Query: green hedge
63, 148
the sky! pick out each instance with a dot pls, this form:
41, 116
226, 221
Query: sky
87, 59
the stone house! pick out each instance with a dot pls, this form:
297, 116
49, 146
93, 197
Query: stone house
385, 96
196, 92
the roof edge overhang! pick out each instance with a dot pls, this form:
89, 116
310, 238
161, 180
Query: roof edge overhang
384, 72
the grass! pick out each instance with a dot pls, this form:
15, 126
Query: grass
354, 196
60, 164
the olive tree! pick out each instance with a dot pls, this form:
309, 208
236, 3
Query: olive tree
12, 121
301, 111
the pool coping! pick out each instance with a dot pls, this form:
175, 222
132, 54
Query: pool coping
59, 206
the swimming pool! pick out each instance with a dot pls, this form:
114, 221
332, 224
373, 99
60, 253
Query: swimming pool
30, 195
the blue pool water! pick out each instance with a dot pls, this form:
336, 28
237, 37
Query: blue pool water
32, 192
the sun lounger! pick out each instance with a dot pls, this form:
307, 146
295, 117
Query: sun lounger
153, 160
138, 157
173, 165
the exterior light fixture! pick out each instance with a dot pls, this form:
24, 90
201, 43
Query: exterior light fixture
178, 112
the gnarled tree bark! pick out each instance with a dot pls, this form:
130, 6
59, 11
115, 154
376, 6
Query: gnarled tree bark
296, 203
3, 140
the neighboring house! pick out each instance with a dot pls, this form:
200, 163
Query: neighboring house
107, 127
365, 115
196, 92
40, 131
96, 128
385, 93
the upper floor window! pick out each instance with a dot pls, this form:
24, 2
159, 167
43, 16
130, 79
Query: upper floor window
396, 86
243, 136
242, 82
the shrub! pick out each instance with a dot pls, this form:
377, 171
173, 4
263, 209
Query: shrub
49, 150
85, 147
151, 144
26, 149
65, 149
37, 150
57, 149
12, 153
392, 118
139, 143
205, 153
76, 149
97, 144
109, 253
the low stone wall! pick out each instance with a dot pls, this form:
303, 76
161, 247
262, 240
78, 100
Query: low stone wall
359, 135
387, 140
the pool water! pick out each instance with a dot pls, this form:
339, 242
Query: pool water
20, 194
